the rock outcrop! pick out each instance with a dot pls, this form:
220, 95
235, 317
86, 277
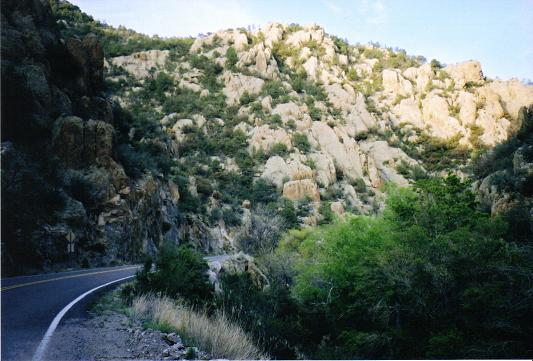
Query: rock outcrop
140, 64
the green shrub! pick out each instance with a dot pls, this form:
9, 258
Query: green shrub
231, 58
246, 98
180, 272
326, 212
375, 270
359, 185
274, 119
279, 149
301, 142
263, 191
435, 65
274, 88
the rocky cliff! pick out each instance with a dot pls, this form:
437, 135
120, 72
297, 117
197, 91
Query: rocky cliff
60, 173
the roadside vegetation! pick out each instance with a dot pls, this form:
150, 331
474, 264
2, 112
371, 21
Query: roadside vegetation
433, 277
214, 334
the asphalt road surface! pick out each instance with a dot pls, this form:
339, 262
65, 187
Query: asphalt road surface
30, 303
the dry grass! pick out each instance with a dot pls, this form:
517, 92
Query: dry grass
216, 335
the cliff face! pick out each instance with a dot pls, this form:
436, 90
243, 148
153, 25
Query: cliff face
184, 140
59, 171
504, 184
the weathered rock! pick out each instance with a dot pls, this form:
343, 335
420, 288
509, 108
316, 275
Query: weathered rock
278, 171
89, 55
337, 208
139, 64
235, 264
468, 71
235, 85
325, 169
394, 82
344, 155
265, 138
435, 115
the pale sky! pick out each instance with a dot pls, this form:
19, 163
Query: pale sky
498, 33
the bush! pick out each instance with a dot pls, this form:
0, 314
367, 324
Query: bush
435, 65
246, 98
264, 232
359, 185
279, 149
263, 191
301, 142
274, 88
180, 272
274, 119
408, 284
231, 58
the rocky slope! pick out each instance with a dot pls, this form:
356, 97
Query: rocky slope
186, 141
323, 120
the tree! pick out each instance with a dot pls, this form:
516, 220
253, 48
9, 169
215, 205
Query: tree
263, 233
231, 58
180, 272
431, 278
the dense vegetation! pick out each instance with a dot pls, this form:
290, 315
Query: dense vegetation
433, 277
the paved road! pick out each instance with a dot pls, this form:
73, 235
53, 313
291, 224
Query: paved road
30, 303
220, 258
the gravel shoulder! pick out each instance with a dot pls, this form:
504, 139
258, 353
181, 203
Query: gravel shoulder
109, 333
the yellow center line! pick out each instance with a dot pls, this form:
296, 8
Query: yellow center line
64, 278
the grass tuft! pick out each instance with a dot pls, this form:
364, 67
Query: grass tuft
216, 335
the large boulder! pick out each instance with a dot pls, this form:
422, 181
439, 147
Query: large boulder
235, 85
325, 169
409, 112
277, 170
265, 138
345, 155
381, 162
393, 82
435, 114
466, 72
139, 64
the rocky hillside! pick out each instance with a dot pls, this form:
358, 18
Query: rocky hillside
326, 123
198, 140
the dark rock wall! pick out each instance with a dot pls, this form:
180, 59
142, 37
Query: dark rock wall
59, 173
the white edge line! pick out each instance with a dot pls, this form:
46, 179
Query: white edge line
39, 354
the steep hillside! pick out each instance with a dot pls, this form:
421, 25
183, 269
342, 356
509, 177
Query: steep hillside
197, 140
325, 123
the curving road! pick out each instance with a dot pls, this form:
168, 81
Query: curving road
30, 303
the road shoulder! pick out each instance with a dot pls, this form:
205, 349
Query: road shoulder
110, 332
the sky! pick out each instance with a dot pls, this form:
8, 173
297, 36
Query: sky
498, 33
